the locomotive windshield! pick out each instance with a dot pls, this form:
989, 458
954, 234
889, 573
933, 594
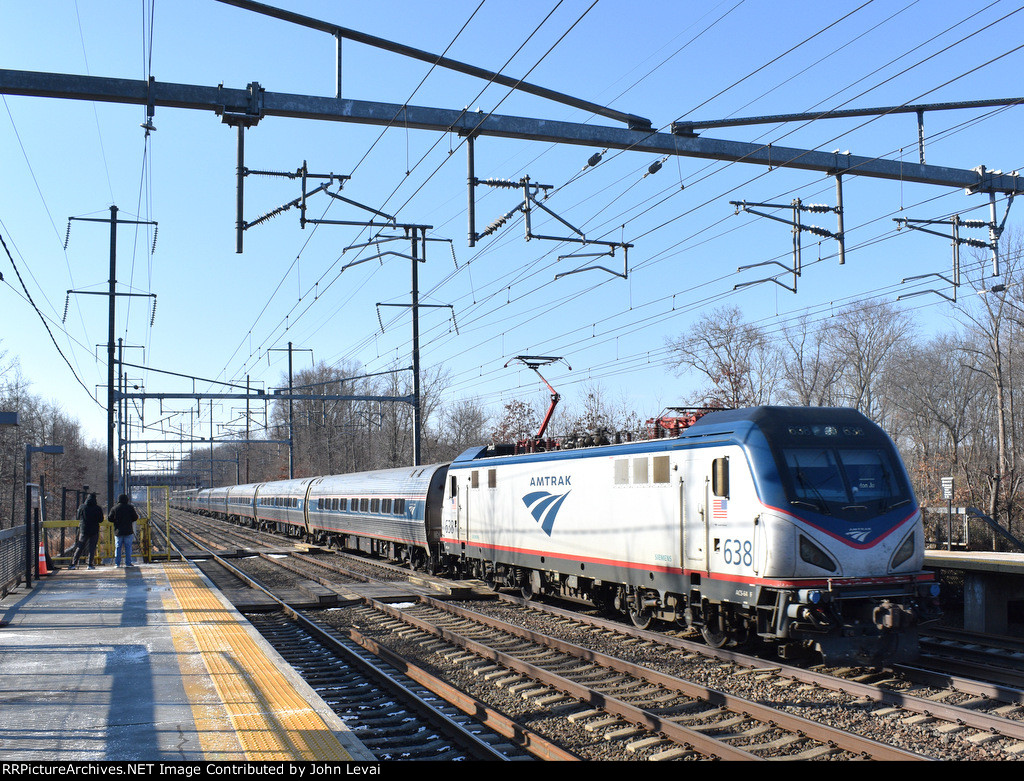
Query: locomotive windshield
840, 469
853, 478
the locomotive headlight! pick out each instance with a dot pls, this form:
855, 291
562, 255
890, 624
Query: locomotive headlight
812, 554
904, 552
810, 595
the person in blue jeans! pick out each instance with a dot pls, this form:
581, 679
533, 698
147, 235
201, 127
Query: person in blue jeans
123, 516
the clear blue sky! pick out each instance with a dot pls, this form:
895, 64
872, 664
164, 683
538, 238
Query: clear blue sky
221, 315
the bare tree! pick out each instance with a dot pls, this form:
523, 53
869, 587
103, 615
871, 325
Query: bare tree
812, 370
740, 364
865, 339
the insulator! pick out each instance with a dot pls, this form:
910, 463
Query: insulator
500, 183
974, 224
156, 229
654, 167
152, 315
817, 207
817, 231
67, 235
976, 243
594, 159
67, 301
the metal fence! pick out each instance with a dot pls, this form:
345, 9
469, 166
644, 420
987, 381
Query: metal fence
12, 558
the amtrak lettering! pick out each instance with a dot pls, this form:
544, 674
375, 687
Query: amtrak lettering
550, 481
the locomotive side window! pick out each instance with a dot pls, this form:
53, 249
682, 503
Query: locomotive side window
720, 477
621, 472
454, 486
639, 470
474, 479
492, 478
661, 469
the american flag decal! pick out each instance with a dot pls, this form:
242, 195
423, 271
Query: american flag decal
720, 508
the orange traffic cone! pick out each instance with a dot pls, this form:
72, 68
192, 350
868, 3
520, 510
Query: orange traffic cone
42, 560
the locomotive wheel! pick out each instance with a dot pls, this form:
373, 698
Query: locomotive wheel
526, 590
641, 618
713, 637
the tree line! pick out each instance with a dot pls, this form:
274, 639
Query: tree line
40, 423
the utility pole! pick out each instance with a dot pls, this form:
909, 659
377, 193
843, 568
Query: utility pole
111, 310
291, 413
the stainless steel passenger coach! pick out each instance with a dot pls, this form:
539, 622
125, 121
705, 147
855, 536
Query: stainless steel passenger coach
792, 526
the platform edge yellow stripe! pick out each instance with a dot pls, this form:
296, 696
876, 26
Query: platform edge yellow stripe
271, 720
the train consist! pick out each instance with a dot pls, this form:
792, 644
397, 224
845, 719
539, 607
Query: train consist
795, 527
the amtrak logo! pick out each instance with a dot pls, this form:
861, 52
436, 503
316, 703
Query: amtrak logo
544, 506
859, 534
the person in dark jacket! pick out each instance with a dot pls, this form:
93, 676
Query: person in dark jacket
123, 516
90, 516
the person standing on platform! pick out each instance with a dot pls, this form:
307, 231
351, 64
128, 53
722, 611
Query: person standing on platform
90, 516
123, 516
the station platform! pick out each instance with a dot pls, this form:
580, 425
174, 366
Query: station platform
992, 582
151, 664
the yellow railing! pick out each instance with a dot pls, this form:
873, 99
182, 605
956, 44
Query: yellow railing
61, 537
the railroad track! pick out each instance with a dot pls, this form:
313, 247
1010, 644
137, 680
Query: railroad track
636, 712
655, 716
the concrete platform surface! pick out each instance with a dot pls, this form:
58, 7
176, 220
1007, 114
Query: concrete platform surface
150, 663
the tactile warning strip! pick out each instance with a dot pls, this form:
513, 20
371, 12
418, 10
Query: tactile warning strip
271, 720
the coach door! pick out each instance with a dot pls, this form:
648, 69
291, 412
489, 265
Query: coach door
694, 488
462, 503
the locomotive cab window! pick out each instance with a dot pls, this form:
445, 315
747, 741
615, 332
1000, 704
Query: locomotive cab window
720, 477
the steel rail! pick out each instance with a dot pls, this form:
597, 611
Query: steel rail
967, 717
685, 736
812, 729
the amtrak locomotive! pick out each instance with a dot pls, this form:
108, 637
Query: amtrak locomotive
791, 526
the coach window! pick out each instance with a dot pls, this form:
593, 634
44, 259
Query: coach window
385, 506
399, 506
639, 470
364, 505
375, 505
